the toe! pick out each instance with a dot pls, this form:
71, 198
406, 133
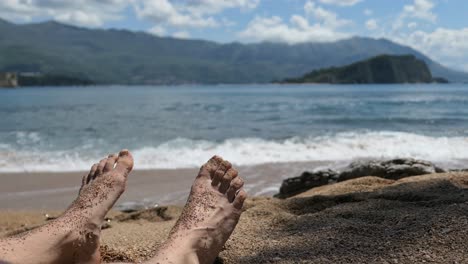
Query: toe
111, 160
226, 180
100, 168
219, 174
83, 181
235, 186
92, 173
239, 200
124, 162
209, 168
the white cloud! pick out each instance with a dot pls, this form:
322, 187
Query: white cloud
368, 12
420, 9
449, 42
412, 25
217, 6
323, 16
448, 46
227, 22
179, 14
299, 30
92, 13
341, 2
164, 12
81, 18
158, 31
371, 24
189, 14
181, 35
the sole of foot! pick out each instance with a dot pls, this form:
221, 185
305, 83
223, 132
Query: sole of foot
74, 236
209, 217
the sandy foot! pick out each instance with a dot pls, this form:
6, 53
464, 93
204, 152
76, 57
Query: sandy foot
74, 236
208, 218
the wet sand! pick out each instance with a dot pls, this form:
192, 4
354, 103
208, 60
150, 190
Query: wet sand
52, 190
421, 219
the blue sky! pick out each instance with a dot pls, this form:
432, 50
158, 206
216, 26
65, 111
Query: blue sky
438, 28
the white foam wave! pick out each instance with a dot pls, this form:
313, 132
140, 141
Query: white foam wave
185, 153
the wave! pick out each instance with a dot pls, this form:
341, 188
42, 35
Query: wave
187, 153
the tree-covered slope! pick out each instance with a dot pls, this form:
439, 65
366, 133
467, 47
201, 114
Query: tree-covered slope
125, 57
380, 69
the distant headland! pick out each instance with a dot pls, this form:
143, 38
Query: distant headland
13, 80
383, 69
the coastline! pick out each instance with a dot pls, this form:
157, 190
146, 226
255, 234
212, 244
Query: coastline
56, 190
367, 220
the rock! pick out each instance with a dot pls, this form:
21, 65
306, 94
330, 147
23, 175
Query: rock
130, 207
157, 214
306, 181
392, 169
106, 225
49, 217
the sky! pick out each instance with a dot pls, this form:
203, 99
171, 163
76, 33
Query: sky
438, 28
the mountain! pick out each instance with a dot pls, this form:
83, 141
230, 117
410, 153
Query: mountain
126, 57
381, 69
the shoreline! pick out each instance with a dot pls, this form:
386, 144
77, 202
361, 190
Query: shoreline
366, 220
56, 190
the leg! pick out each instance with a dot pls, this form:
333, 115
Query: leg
209, 217
74, 236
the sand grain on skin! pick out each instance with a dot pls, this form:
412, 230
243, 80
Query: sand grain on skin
420, 219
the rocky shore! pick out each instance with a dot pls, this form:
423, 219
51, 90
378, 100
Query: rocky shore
395, 218
394, 169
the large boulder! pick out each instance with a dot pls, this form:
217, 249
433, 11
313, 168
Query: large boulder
306, 181
391, 169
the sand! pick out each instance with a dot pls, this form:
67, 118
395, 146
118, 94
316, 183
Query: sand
420, 219
55, 190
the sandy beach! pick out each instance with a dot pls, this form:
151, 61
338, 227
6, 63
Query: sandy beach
367, 220
55, 190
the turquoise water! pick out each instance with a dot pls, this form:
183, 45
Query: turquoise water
69, 128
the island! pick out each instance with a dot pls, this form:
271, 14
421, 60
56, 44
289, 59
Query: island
383, 69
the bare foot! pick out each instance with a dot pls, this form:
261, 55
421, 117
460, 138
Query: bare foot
209, 217
74, 236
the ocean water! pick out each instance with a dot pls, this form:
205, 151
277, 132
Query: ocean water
70, 128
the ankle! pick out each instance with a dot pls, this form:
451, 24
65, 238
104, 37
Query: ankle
83, 219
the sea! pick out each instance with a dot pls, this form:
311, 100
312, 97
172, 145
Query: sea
169, 127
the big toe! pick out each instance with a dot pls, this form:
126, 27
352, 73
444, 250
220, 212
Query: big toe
234, 188
239, 199
124, 162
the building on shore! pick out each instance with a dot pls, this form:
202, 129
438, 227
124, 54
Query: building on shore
8, 79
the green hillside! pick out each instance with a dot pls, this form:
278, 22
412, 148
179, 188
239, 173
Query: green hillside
125, 57
380, 69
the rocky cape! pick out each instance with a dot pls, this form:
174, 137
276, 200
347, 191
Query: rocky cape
384, 69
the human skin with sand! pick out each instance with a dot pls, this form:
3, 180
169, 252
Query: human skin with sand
210, 215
